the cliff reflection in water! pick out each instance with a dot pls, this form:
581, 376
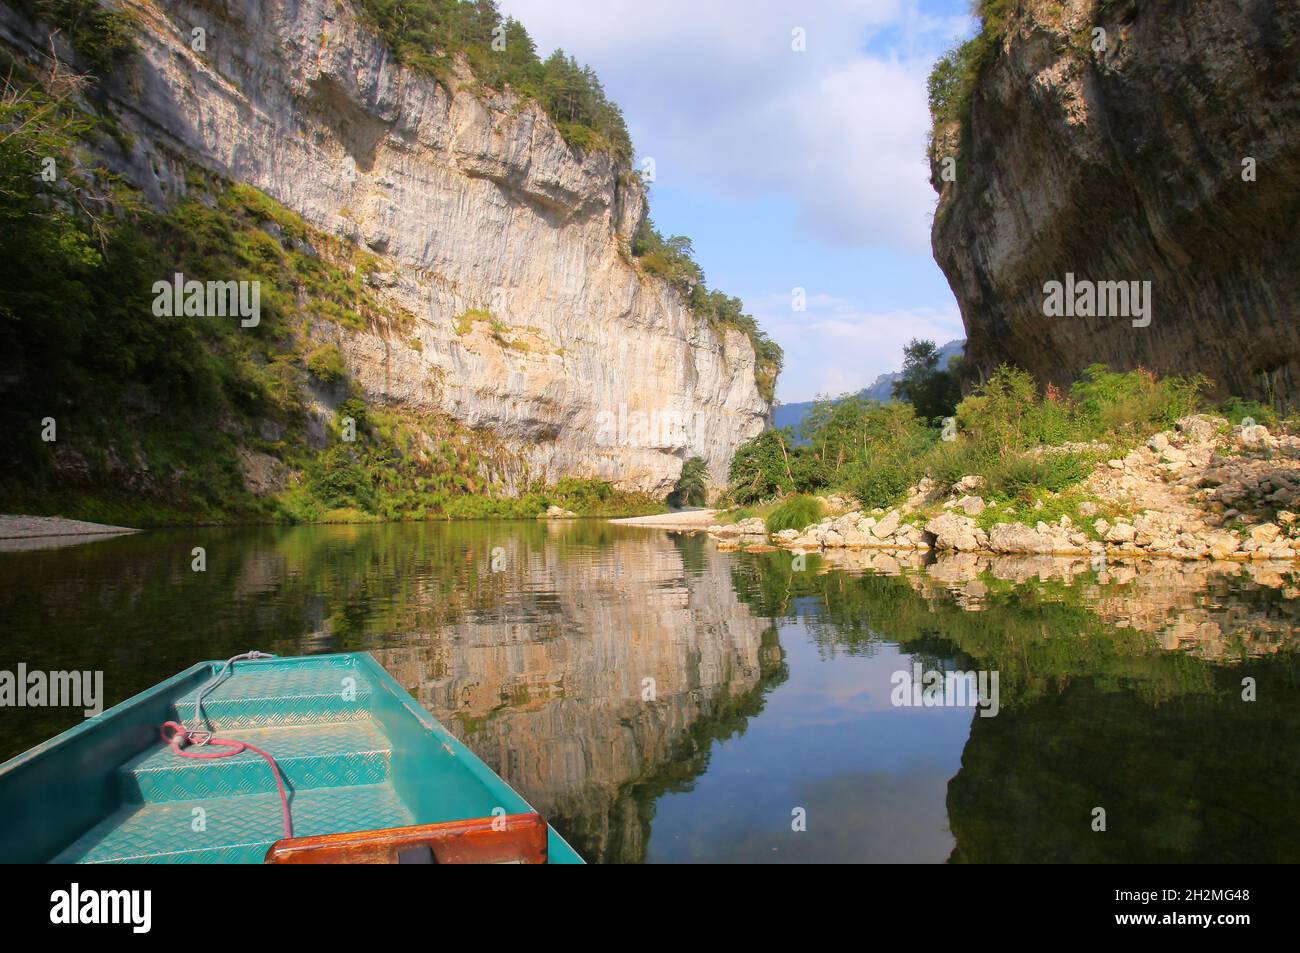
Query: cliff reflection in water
534, 642
611, 688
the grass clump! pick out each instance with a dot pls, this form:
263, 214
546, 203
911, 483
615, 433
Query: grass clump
882, 480
1237, 410
1020, 475
794, 513
1082, 508
466, 320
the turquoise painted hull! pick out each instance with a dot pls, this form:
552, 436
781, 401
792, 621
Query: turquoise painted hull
357, 752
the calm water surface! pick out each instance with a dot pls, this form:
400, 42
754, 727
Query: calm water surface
538, 644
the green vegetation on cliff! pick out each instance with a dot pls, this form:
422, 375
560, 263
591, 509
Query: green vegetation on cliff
102, 36
111, 410
673, 260
158, 418
424, 33
954, 75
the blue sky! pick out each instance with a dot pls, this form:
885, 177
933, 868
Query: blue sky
787, 169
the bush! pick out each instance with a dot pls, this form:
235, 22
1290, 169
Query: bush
581, 494
339, 480
882, 480
760, 468
1135, 400
593, 497
1236, 410
103, 37
1017, 476
844, 432
995, 417
950, 460
691, 489
326, 363
796, 512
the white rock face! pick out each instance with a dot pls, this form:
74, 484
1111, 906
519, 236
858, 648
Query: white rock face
474, 201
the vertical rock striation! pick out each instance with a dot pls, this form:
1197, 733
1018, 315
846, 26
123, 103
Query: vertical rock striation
474, 203
1127, 165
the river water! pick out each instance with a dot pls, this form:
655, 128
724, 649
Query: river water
660, 700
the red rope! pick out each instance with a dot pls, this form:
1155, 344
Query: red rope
181, 736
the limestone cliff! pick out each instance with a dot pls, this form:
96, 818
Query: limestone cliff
1127, 164
509, 246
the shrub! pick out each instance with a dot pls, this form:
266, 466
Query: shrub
794, 513
103, 37
882, 480
1017, 476
760, 468
995, 416
691, 488
326, 363
950, 460
1135, 400
339, 480
594, 497
582, 494
844, 432
1236, 410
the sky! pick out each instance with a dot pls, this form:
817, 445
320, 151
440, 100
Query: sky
787, 169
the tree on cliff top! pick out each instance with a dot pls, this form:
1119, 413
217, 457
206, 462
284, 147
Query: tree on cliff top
422, 33
673, 259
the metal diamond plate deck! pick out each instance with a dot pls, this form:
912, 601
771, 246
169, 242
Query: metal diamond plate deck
315, 756
254, 697
235, 829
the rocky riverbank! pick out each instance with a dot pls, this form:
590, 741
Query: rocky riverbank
1186, 605
1205, 490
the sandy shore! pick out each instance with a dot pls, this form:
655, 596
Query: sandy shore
46, 532
690, 519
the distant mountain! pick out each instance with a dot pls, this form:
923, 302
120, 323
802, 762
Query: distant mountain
881, 389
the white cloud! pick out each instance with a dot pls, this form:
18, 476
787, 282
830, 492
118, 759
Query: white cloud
714, 93
834, 348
